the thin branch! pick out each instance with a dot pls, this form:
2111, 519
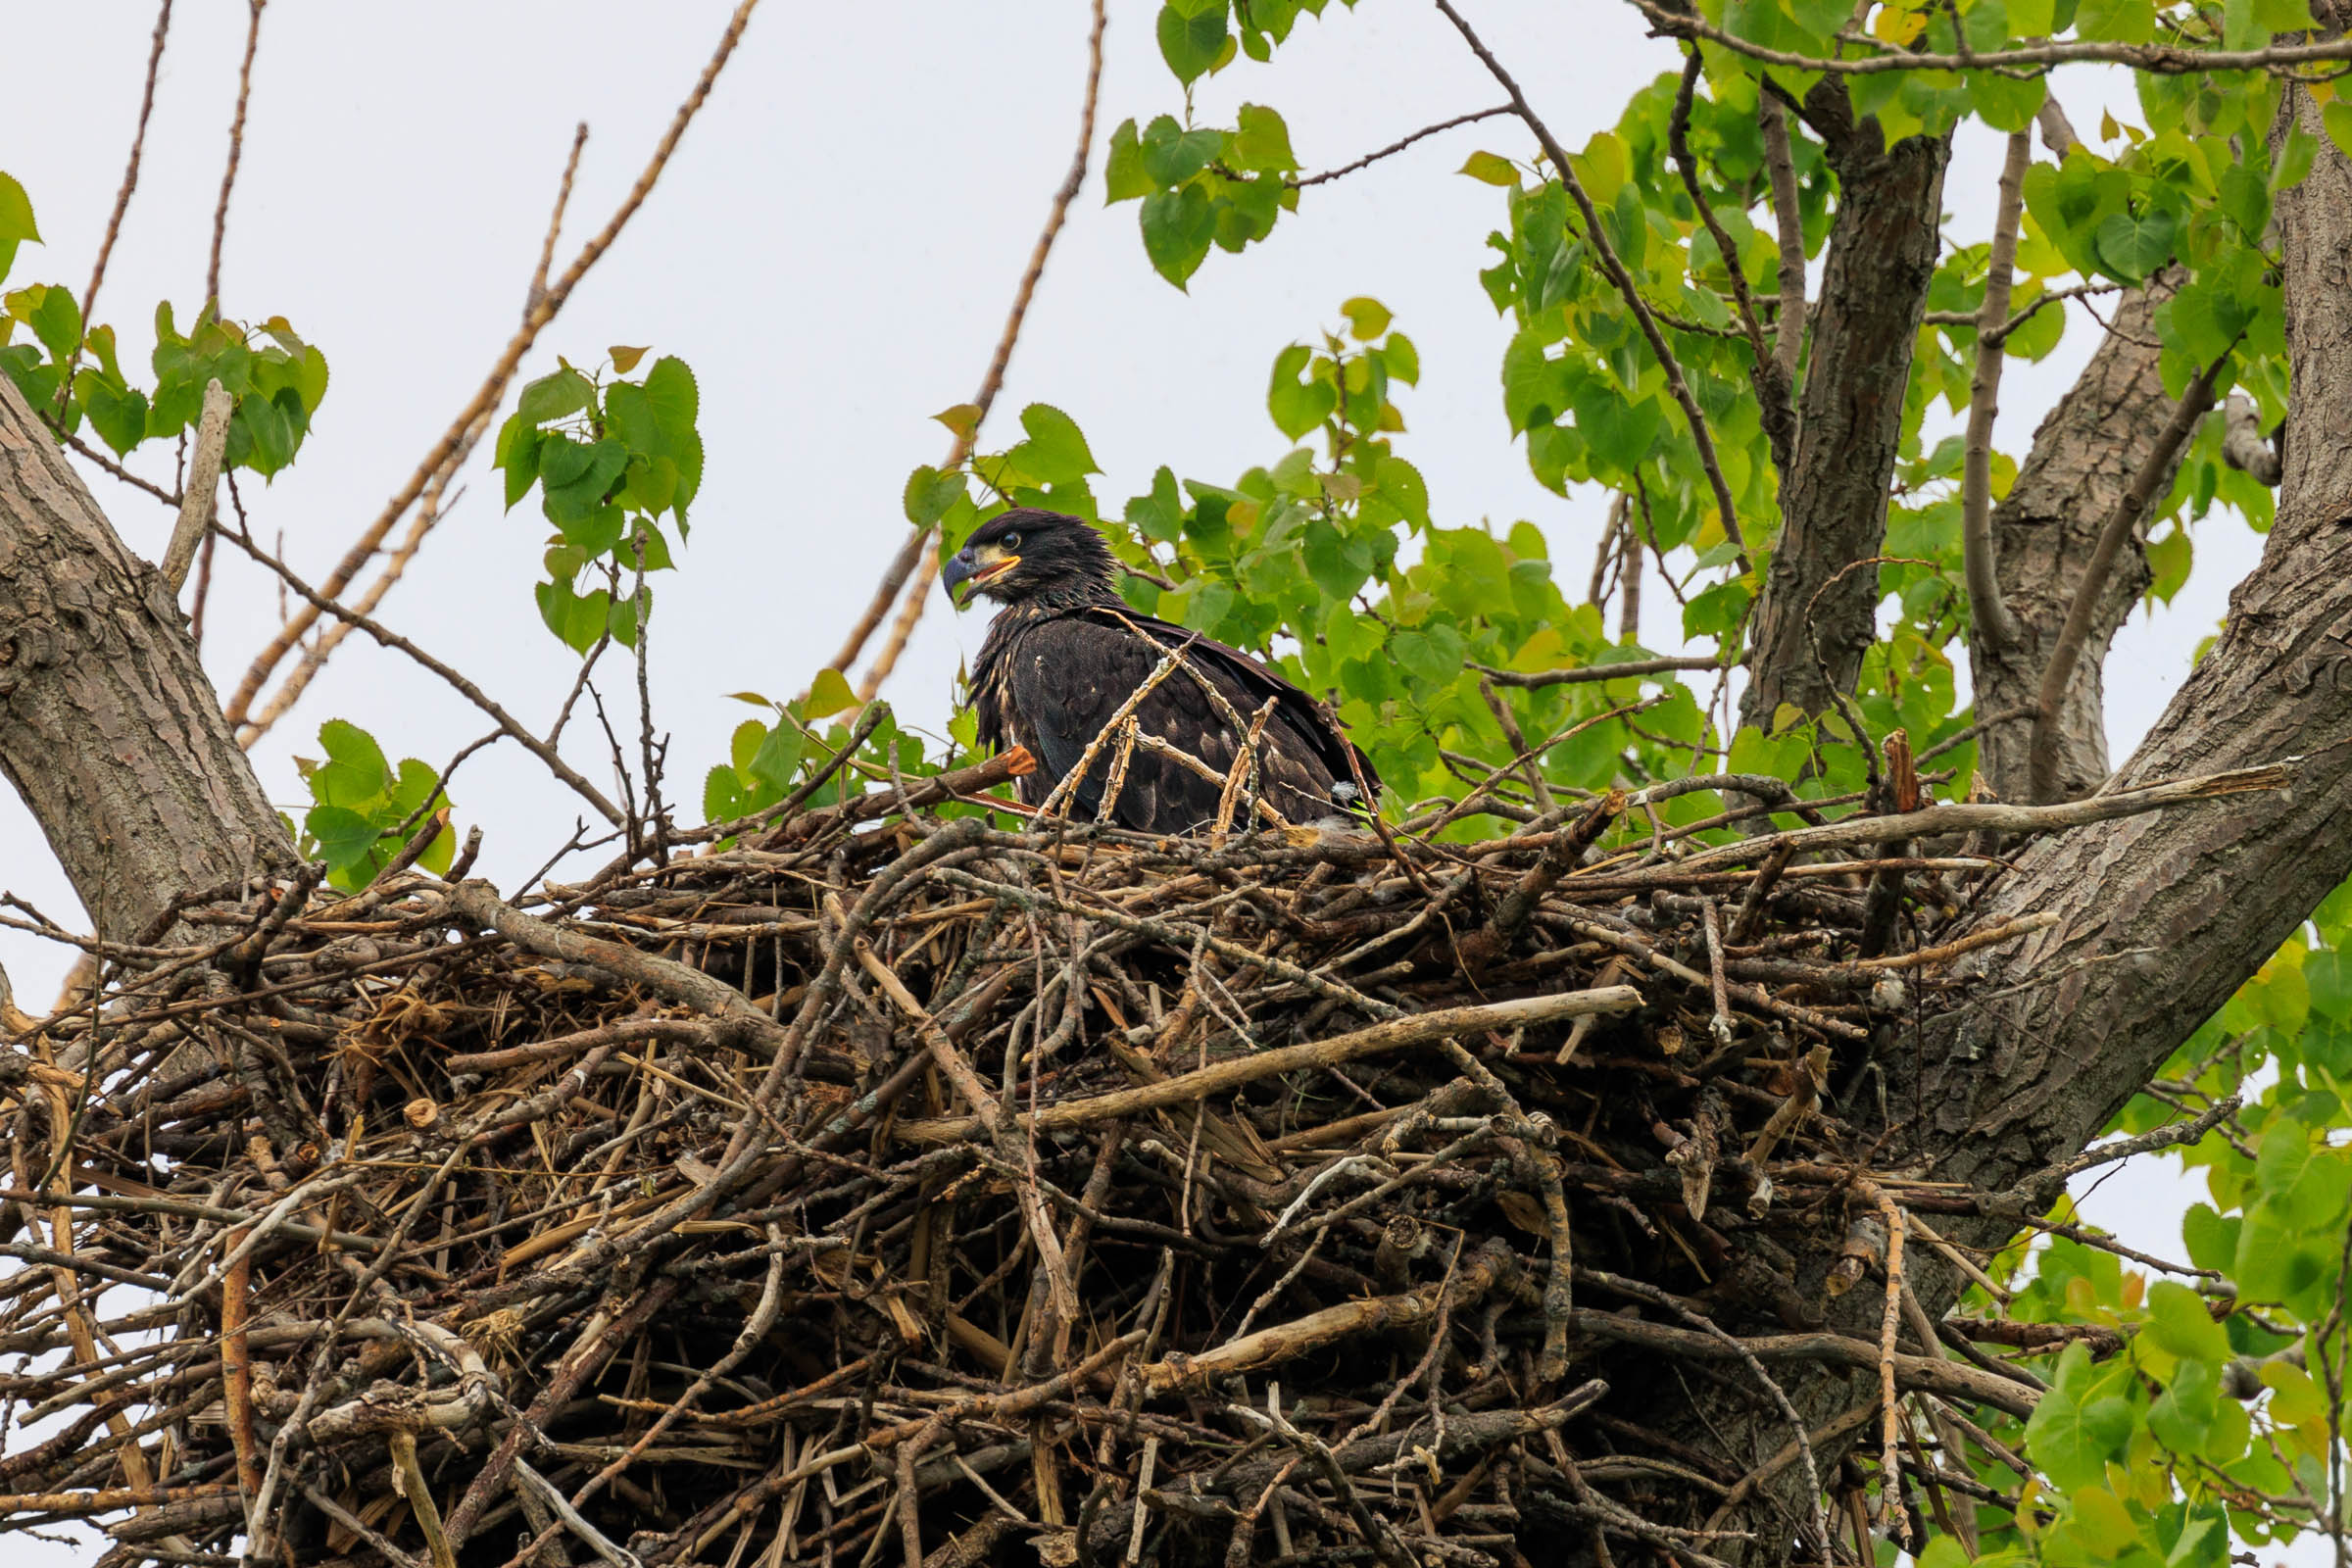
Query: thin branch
432, 506
2168, 60
2129, 508
915, 556
1396, 147
236, 151
1995, 626
2243, 445
1789, 221
1591, 672
1700, 438
464, 688
1771, 377
2001, 333
493, 387
130, 182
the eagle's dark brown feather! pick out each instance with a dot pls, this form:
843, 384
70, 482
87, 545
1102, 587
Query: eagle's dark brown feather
1065, 654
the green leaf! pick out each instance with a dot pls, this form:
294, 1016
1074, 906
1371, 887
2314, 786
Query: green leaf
930, 493
2079, 1423
118, 415
830, 694
1191, 43
1056, 450
1492, 170
574, 479
579, 620
57, 322
2247, 200
1177, 229
355, 774
2296, 153
1297, 405
1367, 318
1400, 484
15, 213
778, 758
345, 837
624, 357
1262, 143
2116, 20
670, 391
518, 456
1123, 177
2134, 245
555, 397
1172, 154
2179, 1322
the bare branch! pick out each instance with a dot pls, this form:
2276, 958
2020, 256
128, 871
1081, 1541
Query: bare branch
1780, 165
130, 182
2129, 508
1589, 672
236, 150
2166, 60
1770, 377
431, 508
1396, 147
321, 604
493, 387
1987, 611
915, 556
1700, 438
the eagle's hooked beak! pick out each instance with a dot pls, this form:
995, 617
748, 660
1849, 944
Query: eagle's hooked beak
976, 565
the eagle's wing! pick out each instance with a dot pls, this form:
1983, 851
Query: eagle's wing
1056, 682
1310, 771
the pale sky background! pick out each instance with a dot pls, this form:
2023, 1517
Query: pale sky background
832, 249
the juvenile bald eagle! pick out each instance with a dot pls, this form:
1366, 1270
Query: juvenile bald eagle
1065, 652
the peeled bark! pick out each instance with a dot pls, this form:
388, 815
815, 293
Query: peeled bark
1873, 290
113, 735
2085, 455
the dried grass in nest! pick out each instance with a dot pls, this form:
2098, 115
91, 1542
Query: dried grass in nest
918, 1191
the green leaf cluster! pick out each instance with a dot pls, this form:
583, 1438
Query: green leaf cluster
364, 810
72, 372
612, 458
1199, 187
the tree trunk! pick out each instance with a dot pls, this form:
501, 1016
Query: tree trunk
2085, 455
113, 734
2162, 915
1874, 288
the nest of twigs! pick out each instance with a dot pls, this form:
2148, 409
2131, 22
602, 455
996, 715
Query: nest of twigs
892, 1189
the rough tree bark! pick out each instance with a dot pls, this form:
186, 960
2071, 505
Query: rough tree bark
2162, 916
2086, 451
113, 735
1873, 289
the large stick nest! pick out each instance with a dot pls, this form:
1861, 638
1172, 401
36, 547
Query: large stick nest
892, 1189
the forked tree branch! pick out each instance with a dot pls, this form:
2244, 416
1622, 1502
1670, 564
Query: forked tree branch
493, 387
1770, 378
915, 556
1788, 225
130, 184
1989, 613
236, 150
324, 603
432, 506
2129, 509
1701, 439
1398, 146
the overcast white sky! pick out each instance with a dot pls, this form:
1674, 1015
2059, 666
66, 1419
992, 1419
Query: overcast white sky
832, 249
